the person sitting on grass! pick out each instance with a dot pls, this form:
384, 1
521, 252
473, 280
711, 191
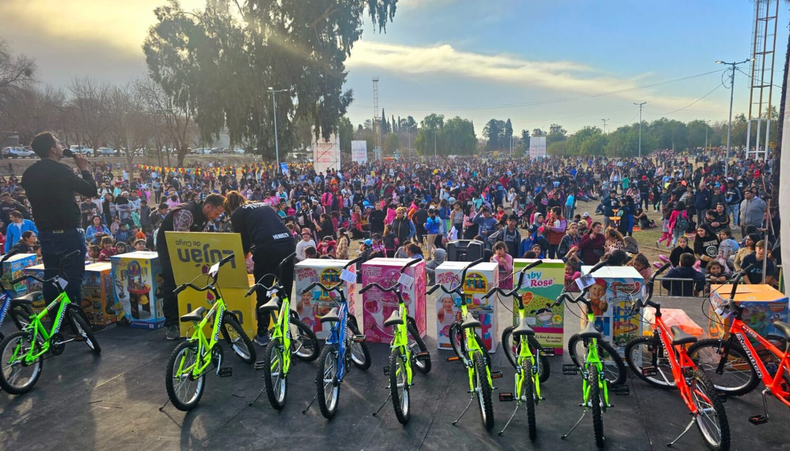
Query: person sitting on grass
692, 283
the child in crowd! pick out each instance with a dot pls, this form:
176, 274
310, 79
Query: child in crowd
301, 246
107, 250
571, 274
139, 246
310, 252
505, 265
93, 252
389, 241
681, 248
121, 247
642, 265
715, 275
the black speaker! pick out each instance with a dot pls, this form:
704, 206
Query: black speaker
465, 250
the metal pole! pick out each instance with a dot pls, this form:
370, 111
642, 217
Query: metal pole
729, 127
434, 144
640, 126
706, 136
276, 141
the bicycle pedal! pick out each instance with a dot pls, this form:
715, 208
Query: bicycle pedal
570, 369
506, 397
649, 371
386, 370
358, 338
225, 372
454, 358
621, 390
548, 352
422, 356
259, 366
496, 374
758, 420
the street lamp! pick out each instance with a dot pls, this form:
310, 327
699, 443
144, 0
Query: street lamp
273, 91
640, 105
434, 144
732, 92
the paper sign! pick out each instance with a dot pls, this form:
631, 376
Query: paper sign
348, 276
406, 280
213, 270
585, 281
62, 282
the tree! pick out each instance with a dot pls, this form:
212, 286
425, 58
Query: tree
16, 71
556, 133
432, 121
459, 136
174, 123
385, 126
216, 65
391, 144
89, 102
128, 123
508, 136
558, 148
345, 131
577, 139
538, 132
495, 132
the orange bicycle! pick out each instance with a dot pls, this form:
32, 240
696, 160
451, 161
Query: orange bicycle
736, 367
661, 359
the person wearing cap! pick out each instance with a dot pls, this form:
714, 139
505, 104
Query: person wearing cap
586, 218
486, 222
304, 243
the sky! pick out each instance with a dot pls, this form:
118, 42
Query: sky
536, 62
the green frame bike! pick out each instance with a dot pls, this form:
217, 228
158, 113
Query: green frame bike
22, 352
402, 359
191, 360
288, 332
532, 366
470, 351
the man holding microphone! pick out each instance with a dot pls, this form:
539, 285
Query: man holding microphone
51, 188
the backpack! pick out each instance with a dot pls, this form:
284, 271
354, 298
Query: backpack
682, 222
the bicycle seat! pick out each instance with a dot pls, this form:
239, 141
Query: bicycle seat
194, 315
271, 306
470, 321
333, 316
394, 319
523, 330
681, 338
784, 328
27, 299
590, 331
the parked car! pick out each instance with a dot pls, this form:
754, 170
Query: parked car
82, 150
238, 151
18, 152
106, 152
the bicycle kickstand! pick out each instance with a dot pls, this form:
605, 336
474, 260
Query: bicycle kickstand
382, 405
472, 398
502, 432
256, 398
165, 404
308, 406
688, 428
584, 412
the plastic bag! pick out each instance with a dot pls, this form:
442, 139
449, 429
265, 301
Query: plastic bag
674, 317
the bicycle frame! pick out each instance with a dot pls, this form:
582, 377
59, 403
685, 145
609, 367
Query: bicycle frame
400, 340
204, 345
338, 336
678, 360
38, 329
282, 331
592, 358
6, 299
469, 347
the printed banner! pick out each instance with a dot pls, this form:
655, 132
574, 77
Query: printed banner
326, 154
359, 151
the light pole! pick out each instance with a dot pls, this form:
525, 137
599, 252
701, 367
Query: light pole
434, 144
729, 127
640, 105
706, 135
273, 91
604, 125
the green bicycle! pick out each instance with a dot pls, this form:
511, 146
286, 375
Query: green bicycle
188, 364
288, 333
469, 349
405, 338
532, 366
22, 352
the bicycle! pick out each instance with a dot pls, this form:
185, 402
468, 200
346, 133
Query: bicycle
287, 332
530, 371
341, 348
189, 362
736, 368
24, 350
18, 308
694, 385
469, 350
402, 357
595, 383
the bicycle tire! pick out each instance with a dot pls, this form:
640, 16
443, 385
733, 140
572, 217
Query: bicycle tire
511, 352
241, 344
276, 390
20, 314
180, 353
640, 349
614, 368
595, 406
401, 399
359, 352
81, 328
455, 339
423, 366
304, 344
703, 395
328, 358
528, 390
483, 389
7, 383
739, 377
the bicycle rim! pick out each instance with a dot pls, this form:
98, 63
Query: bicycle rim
237, 342
399, 386
738, 376
301, 345
18, 376
711, 419
185, 388
611, 369
276, 376
357, 353
330, 381
640, 355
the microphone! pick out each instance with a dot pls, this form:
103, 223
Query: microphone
68, 153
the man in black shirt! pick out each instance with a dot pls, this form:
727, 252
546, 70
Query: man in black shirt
51, 188
7, 205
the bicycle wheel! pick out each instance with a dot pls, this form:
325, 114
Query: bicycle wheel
739, 376
81, 327
528, 393
360, 354
237, 339
304, 344
639, 354
712, 419
399, 386
483, 390
455, 339
513, 348
613, 366
17, 378
595, 405
183, 390
274, 378
327, 385
20, 314
416, 345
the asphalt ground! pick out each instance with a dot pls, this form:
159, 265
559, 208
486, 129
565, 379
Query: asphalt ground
112, 401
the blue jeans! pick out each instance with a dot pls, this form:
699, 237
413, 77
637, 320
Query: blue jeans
735, 209
54, 246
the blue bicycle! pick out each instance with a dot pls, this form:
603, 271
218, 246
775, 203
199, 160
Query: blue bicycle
10, 305
344, 345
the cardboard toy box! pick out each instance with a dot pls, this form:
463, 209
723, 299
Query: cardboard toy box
613, 295
378, 306
541, 287
98, 298
136, 279
313, 305
763, 305
32, 285
14, 267
479, 280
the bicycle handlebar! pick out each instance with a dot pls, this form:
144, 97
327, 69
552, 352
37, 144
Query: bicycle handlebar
336, 287
29, 276
518, 286
460, 286
738, 278
648, 302
183, 287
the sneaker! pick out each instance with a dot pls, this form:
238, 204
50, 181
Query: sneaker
261, 340
173, 332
